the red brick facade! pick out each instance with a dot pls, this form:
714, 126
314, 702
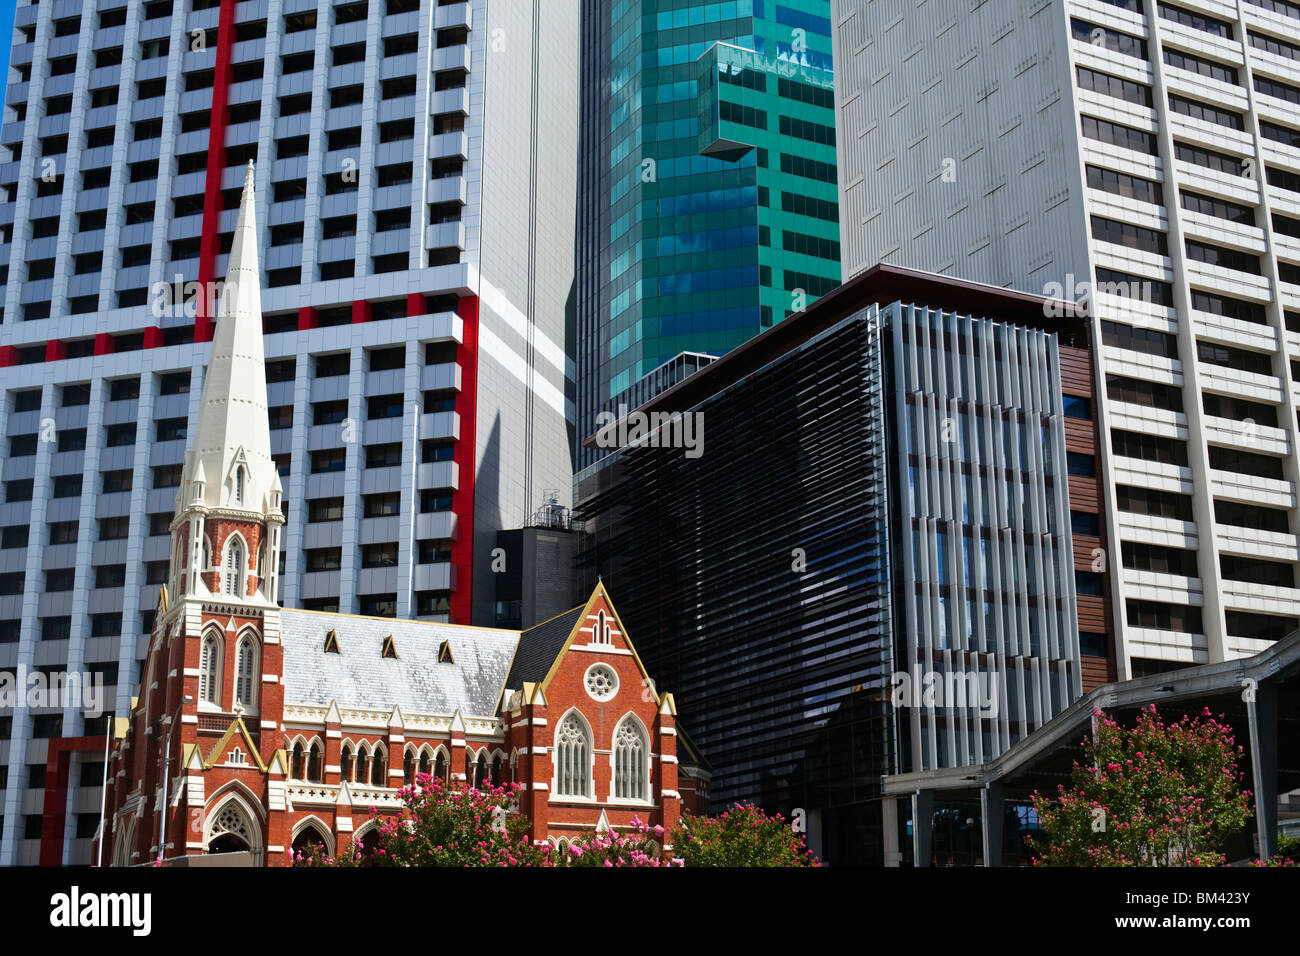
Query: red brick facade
274, 777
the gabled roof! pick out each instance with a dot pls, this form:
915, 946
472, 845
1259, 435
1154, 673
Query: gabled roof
540, 645
359, 676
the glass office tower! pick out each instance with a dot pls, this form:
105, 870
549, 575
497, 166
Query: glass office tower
708, 188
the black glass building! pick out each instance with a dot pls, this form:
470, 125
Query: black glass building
826, 541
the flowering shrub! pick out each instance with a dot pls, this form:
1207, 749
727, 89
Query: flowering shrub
461, 826
1155, 794
743, 835
442, 825
640, 848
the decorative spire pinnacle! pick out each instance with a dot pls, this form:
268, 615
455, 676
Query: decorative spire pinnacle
232, 443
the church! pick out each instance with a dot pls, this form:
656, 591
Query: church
259, 731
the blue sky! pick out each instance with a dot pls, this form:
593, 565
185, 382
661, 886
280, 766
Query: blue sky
7, 8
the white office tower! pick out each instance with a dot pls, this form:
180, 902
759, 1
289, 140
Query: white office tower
415, 170
1153, 148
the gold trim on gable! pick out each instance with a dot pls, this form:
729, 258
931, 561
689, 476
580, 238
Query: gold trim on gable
237, 723
600, 591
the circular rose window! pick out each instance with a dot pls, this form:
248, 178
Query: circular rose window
602, 682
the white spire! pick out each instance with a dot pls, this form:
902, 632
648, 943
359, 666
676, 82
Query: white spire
233, 433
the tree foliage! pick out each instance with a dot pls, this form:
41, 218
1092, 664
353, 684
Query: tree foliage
742, 835
1155, 794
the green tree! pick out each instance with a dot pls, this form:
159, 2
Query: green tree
743, 835
1155, 794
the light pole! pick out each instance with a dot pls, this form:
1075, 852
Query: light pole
167, 763
103, 795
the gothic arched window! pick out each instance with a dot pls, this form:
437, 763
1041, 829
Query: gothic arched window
296, 762
235, 568
345, 763
573, 757
630, 750
379, 769
314, 762
239, 485
440, 767
210, 671
246, 673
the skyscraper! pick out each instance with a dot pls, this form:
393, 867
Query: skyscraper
1143, 155
417, 163
708, 199
869, 569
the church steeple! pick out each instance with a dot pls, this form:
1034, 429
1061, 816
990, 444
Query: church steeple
226, 533
233, 438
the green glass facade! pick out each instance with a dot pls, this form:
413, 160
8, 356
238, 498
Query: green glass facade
709, 205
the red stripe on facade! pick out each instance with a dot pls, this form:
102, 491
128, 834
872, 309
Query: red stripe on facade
55, 350
306, 318
465, 457
55, 807
415, 304
360, 311
103, 344
8, 356
209, 239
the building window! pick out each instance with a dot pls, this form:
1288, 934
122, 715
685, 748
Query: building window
1093, 645
323, 559
325, 509
210, 671
382, 505
171, 429
601, 682
234, 568
246, 673
328, 460
345, 763
631, 749
572, 757
1080, 464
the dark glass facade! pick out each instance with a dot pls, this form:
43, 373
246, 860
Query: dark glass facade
757, 575
877, 499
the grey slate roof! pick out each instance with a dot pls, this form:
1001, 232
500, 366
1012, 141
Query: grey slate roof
539, 646
359, 677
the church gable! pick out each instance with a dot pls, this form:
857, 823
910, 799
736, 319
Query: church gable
597, 635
